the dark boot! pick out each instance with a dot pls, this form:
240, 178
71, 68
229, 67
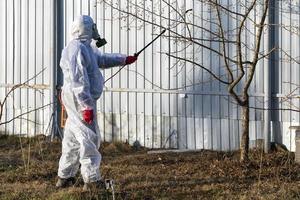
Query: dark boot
65, 182
98, 185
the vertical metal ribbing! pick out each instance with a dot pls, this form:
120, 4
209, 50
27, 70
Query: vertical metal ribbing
184, 110
202, 56
65, 21
255, 90
246, 71
219, 90
177, 96
228, 102
246, 41
183, 80
112, 72
94, 13
43, 74
169, 74
14, 69
80, 7
176, 86
60, 35
144, 65
20, 66
193, 49
290, 68
267, 81
152, 79
136, 113
104, 93
299, 71
237, 110
53, 60
211, 87
160, 79
89, 12
27, 64
73, 10
127, 74
120, 77
61, 31
5, 60
95, 10
281, 64
35, 57
13, 62
13, 110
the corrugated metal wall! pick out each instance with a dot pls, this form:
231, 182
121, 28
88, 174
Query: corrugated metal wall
170, 112
286, 71
26, 48
158, 101
153, 101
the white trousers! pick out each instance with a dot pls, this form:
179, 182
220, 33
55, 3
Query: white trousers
80, 144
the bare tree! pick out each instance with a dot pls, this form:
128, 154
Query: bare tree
25, 84
239, 58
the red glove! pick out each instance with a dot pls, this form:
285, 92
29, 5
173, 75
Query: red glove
130, 59
88, 116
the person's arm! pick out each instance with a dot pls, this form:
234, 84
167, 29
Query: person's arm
80, 81
108, 60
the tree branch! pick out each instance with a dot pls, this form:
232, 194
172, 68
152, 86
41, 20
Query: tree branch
258, 42
20, 115
201, 66
24, 84
224, 46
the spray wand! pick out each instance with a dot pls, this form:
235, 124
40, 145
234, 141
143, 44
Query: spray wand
137, 54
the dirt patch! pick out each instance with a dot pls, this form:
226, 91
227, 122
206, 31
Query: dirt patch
28, 170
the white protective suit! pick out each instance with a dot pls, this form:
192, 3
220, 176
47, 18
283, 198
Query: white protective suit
83, 85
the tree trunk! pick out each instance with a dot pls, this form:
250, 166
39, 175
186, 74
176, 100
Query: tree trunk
245, 133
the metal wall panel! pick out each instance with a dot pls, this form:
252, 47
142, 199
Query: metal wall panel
286, 82
158, 101
151, 101
27, 47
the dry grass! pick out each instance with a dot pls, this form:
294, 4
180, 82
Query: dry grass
31, 174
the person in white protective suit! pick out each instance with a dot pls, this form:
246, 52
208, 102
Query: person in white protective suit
83, 85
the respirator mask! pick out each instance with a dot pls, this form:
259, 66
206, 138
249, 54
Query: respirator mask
99, 41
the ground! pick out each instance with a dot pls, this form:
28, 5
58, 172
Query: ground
28, 170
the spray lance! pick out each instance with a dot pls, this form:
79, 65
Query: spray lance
138, 53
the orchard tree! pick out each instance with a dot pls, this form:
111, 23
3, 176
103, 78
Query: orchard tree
240, 57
